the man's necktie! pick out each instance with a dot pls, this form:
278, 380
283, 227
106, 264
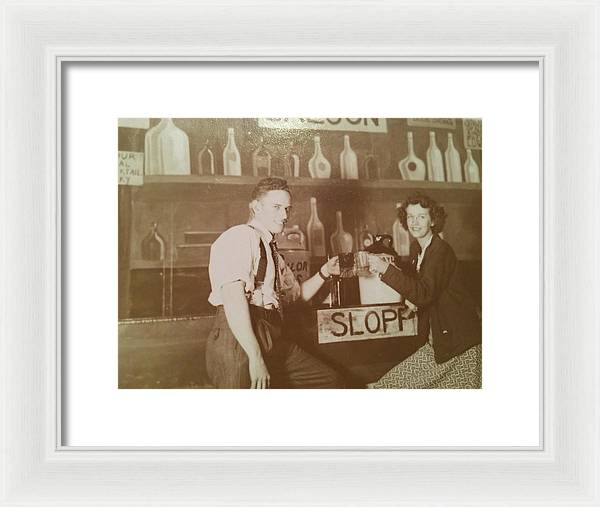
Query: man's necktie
275, 256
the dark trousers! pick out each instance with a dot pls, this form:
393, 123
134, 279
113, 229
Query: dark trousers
288, 365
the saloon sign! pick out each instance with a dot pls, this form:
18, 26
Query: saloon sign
349, 124
363, 323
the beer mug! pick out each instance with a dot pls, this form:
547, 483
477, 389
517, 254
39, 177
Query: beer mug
361, 263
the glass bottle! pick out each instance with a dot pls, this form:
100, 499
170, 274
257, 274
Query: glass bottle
341, 241
471, 169
206, 160
232, 165
411, 167
371, 167
365, 238
348, 161
153, 246
292, 163
261, 161
174, 149
315, 231
151, 149
435, 163
318, 165
295, 238
453, 163
400, 236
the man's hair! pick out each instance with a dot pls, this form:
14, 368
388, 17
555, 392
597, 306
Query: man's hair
266, 185
436, 212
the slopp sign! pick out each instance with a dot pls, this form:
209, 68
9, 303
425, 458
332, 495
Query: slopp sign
363, 323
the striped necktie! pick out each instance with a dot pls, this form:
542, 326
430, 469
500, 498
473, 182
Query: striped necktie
275, 256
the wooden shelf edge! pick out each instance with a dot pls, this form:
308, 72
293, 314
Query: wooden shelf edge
382, 184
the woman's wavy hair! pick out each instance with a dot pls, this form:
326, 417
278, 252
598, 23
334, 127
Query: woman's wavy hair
436, 212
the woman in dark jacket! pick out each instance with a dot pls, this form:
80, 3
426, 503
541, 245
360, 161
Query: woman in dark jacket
448, 322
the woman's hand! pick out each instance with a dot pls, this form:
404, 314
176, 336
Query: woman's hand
377, 264
331, 267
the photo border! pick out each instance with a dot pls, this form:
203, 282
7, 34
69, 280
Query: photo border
36, 469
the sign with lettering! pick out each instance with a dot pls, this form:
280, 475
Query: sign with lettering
363, 323
299, 263
131, 168
377, 125
442, 123
135, 123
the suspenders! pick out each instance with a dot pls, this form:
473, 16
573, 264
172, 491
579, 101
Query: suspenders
262, 262
262, 266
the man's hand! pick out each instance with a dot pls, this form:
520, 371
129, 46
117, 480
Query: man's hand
259, 375
331, 267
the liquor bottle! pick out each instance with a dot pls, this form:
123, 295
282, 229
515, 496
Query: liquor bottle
371, 167
206, 160
341, 241
471, 169
411, 167
315, 231
292, 239
348, 161
174, 149
365, 238
453, 163
318, 165
435, 163
261, 161
232, 165
400, 236
292, 163
151, 149
153, 246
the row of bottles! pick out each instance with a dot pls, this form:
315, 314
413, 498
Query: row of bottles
414, 169
292, 238
167, 152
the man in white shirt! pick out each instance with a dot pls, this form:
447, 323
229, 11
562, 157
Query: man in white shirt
250, 282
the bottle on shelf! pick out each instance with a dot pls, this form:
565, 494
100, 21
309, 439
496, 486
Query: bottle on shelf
174, 150
341, 241
435, 162
261, 161
153, 245
292, 163
364, 239
348, 161
232, 165
315, 231
371, 167
453, 163
471, 169
318, 165
400, 236
151, 149
292, 238
412, 167
206, 160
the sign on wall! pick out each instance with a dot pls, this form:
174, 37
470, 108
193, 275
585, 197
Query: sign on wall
363, 323
131, 168
377, 125
441, 123
472, 133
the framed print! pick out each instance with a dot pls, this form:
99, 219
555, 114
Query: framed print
70, 72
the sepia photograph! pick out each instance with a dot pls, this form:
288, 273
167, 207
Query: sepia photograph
300, 253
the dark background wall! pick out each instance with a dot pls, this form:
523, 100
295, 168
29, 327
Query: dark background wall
179, 286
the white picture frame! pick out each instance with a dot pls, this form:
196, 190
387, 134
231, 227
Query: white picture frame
562, 36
